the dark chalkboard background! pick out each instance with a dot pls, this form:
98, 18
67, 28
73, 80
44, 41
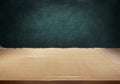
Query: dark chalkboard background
60, 23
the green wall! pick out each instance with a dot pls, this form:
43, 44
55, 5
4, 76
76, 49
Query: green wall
60, 23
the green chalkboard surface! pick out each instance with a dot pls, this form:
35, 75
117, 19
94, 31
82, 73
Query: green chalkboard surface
60, 23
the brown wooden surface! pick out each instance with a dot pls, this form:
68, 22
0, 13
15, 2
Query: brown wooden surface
60, 64
59, 82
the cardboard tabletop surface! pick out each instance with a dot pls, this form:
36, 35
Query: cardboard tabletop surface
59, 64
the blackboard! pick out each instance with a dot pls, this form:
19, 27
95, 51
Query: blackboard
60, 23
